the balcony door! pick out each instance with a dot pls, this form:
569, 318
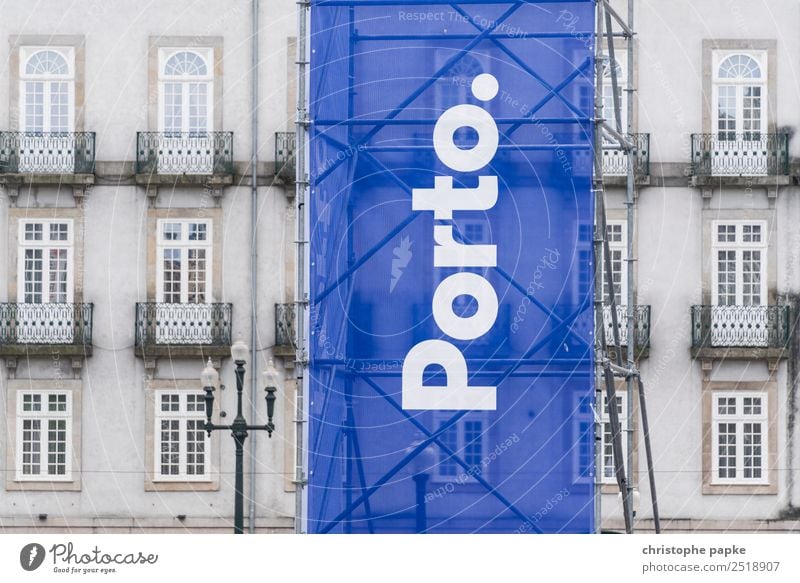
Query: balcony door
45, 313
184, 313
739, 292
47, 110
615, 159
740, 144
185, 112
617, 242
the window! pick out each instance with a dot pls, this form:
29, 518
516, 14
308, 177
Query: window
467, 438
740, 95
740, 262
45, 262
182, 444
615, 233
186, 80
608, 90
585, 277
185, 261
47, 89
44, 436
606, 444
470, 233
739, 433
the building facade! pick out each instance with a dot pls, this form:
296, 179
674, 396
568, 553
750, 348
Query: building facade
125, 153
126, 142
715, 108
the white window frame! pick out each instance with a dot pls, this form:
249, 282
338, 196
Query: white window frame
760, 57
461, 475
605, 423
207, 54
621, 61
583, 423
44, 416
46, 244
739, 246
739, 419
68, 53
182, 415
184, 244
620, 247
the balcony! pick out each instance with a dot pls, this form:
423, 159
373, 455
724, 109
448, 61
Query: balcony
285, 143
641, 329
615, 161
183, 330
45, 329
740, 331
184, 159
740, 159
46, 158
285, 330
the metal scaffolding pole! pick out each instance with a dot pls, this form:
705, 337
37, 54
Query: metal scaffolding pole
605, 17
301, 287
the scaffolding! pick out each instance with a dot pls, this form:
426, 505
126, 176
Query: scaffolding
609, 366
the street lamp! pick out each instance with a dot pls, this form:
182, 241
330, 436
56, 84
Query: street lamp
239, 427
420, 467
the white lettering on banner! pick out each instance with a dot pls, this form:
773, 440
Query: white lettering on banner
442, 200
455, 394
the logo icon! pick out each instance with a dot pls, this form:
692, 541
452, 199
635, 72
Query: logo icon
31, 556
402, 255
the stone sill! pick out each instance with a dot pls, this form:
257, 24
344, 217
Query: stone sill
45, 350
39, 179
623, 180
738, 353
181, 351
745, 181
184, 179
642, 352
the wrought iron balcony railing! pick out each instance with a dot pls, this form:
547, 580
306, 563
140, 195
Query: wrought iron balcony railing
285, 325
207, 153
641, 328
47, 152
615, 160
284, 155
748, 154
740, 326
183, 324
46, 324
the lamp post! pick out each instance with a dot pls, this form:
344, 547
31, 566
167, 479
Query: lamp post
239, 427
420, 472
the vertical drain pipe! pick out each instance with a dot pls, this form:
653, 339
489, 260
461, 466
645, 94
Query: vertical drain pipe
253, 270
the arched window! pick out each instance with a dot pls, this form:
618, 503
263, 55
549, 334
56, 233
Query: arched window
739, 67
47, 90
185, 91
740, 96
454, 86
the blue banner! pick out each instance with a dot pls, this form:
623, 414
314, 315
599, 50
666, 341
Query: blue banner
450, 346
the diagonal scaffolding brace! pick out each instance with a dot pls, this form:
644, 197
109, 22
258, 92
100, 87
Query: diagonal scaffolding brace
605, 295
